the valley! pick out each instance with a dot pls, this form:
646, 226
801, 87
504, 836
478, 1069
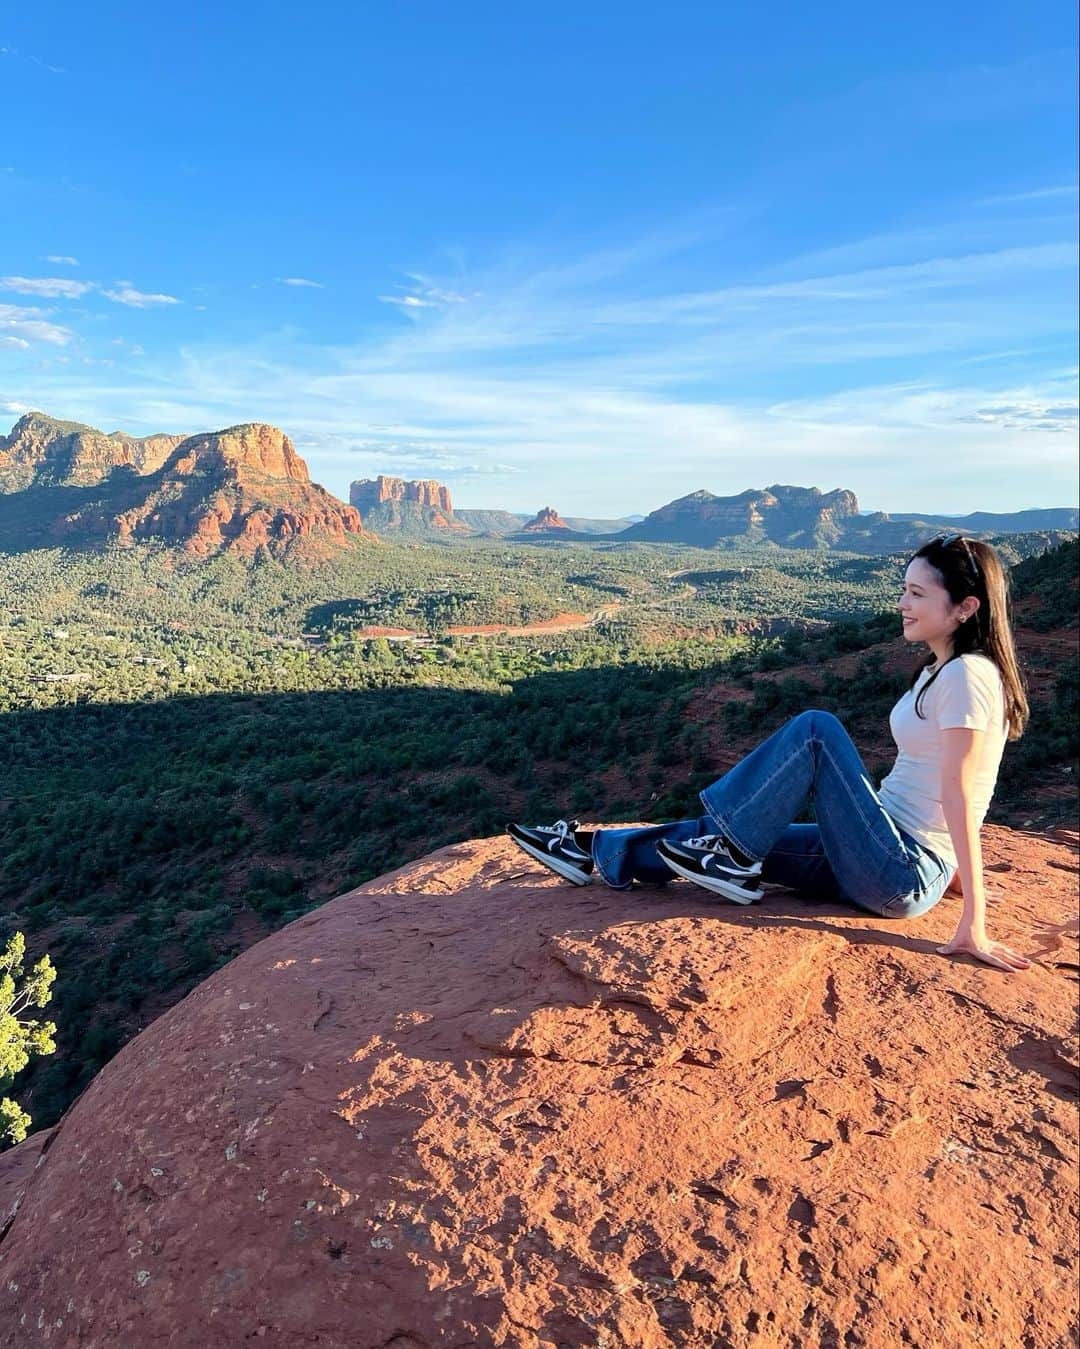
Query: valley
223, 711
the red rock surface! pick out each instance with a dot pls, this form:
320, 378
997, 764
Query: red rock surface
468, 1105
253, 447
548, 518
370, 492
241, 488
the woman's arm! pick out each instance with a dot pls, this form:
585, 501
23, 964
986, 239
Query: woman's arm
958, 772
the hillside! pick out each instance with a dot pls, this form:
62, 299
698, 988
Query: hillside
143, 843
467, 1105
243, 489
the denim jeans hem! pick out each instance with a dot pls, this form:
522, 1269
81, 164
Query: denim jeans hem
723, 826
603, 874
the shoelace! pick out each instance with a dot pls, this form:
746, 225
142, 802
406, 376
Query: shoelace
561, 827
713, 842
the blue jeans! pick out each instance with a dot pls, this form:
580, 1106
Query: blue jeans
855, 852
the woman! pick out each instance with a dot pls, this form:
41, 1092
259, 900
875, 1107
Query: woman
894, 851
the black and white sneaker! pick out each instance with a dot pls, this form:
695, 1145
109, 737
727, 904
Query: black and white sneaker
555, 846
708, 862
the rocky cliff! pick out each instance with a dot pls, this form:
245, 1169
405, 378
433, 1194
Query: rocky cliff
466, 1104
418, 508
239, 488
368, 493
41, 451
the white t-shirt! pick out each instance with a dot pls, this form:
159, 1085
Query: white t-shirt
969, 693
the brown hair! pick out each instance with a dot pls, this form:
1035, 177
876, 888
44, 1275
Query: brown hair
971, 567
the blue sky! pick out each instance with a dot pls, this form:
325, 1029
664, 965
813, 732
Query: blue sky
590, 255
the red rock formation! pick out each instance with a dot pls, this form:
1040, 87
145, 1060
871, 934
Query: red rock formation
45, 452
368, 493
544, 520
242, 450
242, 488
469, 1105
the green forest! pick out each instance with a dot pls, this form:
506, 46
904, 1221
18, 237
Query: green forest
195, 754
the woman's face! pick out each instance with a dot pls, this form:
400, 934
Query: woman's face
926, 608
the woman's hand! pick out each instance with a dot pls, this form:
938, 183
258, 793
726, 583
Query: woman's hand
966, 942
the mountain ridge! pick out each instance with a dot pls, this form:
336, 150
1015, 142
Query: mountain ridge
123, 487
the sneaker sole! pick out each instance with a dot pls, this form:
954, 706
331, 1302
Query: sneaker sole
713, 883
564, 869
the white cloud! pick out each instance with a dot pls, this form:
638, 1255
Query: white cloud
19, 343
300, 281
61, 259
408, 301
579, 379
18, 409
31, 325
137, 299
427, 294
49, 287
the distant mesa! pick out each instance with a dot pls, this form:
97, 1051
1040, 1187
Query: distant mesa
246, 487
792, 516
44, 452
239, 489
422, 508
806, 517
368, 493
544, 521
394, 505
782, 516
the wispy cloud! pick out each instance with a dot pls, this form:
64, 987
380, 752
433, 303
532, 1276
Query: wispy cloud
1065, 190
64, 288
34, 60
424, 293
301, 281
408, 301
61, 259
49, 287
137, 299
27, 324
924, 362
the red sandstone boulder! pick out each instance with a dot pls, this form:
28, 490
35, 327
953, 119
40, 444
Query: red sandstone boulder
468, 1105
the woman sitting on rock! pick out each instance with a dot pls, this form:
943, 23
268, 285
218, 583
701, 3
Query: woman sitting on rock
893, 851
